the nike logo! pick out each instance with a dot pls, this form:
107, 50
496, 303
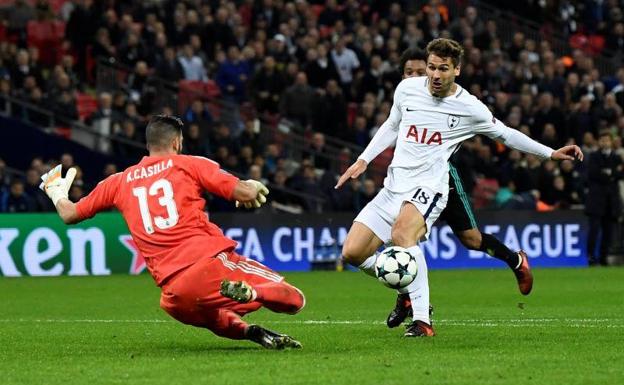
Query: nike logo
408, 110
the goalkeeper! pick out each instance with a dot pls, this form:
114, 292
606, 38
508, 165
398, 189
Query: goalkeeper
204, 282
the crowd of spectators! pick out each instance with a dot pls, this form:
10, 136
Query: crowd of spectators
328, 68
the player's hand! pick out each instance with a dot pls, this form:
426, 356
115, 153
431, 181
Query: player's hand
55, 186
570, 152
261, 192
355, 170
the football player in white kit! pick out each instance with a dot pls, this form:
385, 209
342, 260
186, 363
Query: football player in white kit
430, 117
459, 216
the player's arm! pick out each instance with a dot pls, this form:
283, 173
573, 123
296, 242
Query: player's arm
385, 136
249, 193
57, 189
485, 123
66, 209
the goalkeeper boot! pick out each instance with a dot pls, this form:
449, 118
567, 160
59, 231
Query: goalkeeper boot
419, 329
523, 274
270, 339
239, 291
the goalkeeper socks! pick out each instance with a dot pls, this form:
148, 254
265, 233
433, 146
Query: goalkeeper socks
280, 297
227, 324
492, 246
368, 266
419, 288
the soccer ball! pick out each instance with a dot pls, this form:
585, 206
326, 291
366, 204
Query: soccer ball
395, 267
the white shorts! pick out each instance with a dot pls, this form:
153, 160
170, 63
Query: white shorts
380, 214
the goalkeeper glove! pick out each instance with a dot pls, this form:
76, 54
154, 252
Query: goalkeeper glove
55, 186
262, 192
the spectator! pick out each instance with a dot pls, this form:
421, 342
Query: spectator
40, 201
251, 136
103, 120
267, 84
16, 200
280, 198
103, 47
221, 138
193, 143
296, 100
122, 141
255, 173
18, 16
603, 205
346, 61
232, 76
546, 113
23, 69
192, 64
317, 152
309, 185
319, 67
198, 113
109, 169
169, 68
330, 111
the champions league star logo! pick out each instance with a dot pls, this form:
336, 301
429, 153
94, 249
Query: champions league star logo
452, 121
138, 262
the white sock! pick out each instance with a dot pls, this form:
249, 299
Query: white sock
368, 266
419, 289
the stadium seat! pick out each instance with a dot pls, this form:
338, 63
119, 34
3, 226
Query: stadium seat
47, 36
190, 90
484, 192
352, 109
56, 5
317, 9
64, 132
86, 105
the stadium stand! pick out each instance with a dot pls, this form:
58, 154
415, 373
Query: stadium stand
298, 88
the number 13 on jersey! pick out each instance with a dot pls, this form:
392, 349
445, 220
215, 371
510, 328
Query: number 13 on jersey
165, 199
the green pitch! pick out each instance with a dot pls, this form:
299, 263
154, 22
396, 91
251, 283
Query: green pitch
109, 330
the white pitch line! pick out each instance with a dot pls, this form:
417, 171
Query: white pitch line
486, 323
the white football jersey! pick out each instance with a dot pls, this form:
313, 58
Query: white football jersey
429, 129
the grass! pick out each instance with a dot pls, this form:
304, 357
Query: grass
109, 330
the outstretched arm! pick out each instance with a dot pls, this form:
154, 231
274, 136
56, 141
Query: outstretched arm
484, 123
66, 209
57, 189
250, 194
519, 141
384, 138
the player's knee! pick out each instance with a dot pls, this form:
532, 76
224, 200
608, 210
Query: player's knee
298, 302
471, 240
178, 307
352, 253
402, 236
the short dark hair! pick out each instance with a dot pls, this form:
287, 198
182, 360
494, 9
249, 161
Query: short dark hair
162, 129
446, 48
605, 132
412, 54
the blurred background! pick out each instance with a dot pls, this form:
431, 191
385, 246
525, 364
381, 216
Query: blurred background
290, 92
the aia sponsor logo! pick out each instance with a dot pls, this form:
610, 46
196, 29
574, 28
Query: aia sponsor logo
424, 136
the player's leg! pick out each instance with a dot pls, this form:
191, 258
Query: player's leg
605, 239
228, 324
251, 283
413, 223
360, 246
460, 217
370, 229
192, 297
592, 239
